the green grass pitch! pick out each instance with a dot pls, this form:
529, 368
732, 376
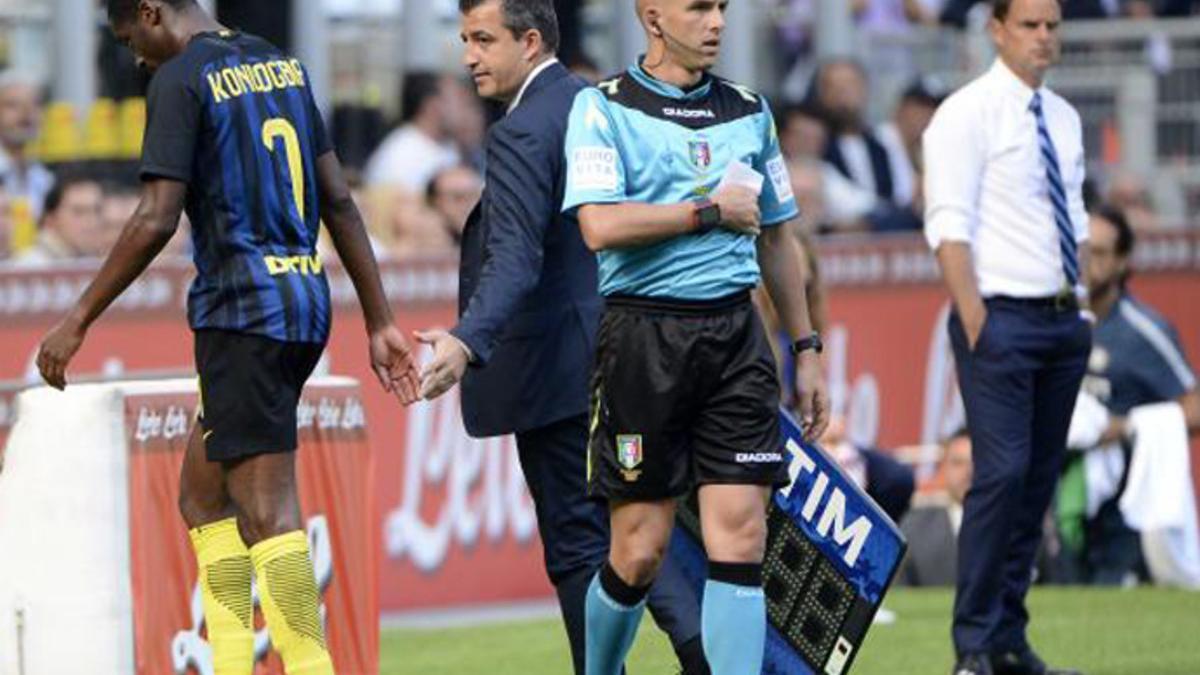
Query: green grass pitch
1101, 632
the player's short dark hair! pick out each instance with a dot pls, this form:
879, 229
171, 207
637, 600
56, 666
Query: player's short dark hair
64, 184
522, 16
124, 10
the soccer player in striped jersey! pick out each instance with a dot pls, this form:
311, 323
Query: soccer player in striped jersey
235, 139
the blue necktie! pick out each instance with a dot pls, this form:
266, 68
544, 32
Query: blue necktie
1058, 195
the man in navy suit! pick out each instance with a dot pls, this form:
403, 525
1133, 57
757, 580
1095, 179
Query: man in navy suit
529, 308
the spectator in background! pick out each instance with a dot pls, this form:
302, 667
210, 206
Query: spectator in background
841, 93
119, 203
586, 68
925, 12
881, 16
1136, 360
70, 225
901, 135
26, 181
1129, 194
452, 194
829, 202
469, 130
932, 530
5, 226
424, 143
887, 481
412, 228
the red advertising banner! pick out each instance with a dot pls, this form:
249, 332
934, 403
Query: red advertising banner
449, 507
335, 467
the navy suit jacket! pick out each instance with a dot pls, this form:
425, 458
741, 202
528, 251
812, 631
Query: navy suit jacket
529, 302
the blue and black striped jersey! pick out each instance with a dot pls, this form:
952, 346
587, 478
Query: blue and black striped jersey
235, 119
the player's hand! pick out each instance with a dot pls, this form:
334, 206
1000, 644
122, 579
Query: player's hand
814, 399
56, 351
739, 209
448, 366
394, 365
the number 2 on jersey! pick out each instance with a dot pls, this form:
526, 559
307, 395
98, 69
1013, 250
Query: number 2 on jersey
277, 127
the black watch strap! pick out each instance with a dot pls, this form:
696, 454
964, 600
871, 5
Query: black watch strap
707, 216
808, 342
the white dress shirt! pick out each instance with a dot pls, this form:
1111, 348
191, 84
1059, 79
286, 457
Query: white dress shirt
985, 183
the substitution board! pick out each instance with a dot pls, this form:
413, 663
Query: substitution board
831, 555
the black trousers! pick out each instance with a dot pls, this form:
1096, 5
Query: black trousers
575, 535
1019, 387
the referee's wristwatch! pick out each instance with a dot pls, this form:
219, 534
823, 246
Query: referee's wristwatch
808, 342
706, 216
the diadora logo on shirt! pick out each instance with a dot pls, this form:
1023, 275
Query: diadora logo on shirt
758, 457
689, 114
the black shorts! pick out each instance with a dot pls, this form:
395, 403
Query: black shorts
683, 394
249, 388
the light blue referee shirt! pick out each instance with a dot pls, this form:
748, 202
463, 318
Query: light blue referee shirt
637, 139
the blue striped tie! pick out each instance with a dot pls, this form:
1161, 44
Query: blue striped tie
1058, 196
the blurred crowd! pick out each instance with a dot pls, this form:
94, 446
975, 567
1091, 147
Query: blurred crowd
417, 183
892, 17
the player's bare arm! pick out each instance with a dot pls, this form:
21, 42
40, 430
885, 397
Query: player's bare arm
391, 358
608, 226
782, 262
147, 232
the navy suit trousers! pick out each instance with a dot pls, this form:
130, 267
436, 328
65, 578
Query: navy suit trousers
1019, 387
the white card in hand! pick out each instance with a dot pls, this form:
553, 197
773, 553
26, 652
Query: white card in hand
740, 174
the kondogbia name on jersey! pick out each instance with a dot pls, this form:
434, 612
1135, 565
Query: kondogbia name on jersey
258, 78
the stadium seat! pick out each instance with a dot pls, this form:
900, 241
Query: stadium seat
131, 117
102, 140
60, 140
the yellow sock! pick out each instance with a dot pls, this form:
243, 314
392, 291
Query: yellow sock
290, 602
224, 571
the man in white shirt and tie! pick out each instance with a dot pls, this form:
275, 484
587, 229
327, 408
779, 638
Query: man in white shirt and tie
1005, 216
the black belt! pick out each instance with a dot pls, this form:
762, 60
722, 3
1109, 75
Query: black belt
1063, 302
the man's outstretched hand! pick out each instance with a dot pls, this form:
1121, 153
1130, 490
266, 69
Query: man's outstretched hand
57, 350
450, 359
394, 365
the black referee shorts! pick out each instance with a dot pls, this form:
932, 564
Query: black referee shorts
683, 393
249, 389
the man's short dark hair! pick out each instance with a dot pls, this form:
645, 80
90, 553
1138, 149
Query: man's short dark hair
1000, 9
1125, 236
419, 87
1126, 239
64, 184
120, 11
522, 16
